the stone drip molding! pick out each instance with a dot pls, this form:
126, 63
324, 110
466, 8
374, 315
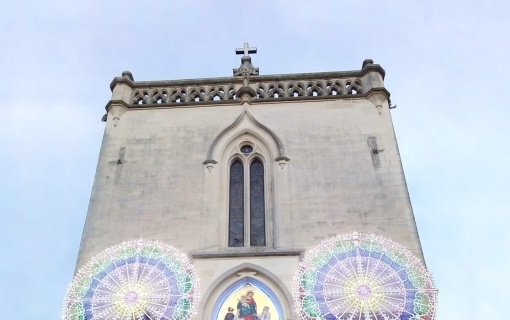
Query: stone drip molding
259, 89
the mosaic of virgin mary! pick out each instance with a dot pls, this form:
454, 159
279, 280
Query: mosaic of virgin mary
248, 302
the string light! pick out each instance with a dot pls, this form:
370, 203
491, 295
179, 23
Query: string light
363, 276
136, 279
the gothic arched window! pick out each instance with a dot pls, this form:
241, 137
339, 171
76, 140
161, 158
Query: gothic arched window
247, 205
257, 205
236, 205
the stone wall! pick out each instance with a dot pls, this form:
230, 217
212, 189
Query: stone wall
151, 182
344, 175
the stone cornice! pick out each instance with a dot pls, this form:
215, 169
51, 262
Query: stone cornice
112, 102
253, 101
119, 80
261, 78
247, 252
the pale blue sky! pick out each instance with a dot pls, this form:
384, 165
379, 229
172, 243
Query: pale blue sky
447, 70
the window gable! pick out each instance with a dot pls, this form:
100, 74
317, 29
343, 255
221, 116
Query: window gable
247, 222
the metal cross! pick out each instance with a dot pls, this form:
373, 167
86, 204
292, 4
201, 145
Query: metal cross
246, 50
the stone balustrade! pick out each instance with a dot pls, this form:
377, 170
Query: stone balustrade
325, 85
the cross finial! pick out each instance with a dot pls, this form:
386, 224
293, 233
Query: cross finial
246, 50
246, 68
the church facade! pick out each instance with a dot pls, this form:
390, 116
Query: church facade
244, 174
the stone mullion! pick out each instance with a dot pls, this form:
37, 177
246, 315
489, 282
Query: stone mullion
247, 204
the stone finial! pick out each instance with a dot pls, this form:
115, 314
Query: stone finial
128, 75
245, 70
367, 62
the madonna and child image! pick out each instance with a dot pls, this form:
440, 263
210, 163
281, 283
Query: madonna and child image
246, 308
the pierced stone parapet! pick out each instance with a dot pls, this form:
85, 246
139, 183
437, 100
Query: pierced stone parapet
176, 95
268, 88
314, 88
264, 90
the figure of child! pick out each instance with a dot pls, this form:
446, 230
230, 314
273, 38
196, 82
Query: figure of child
243, 309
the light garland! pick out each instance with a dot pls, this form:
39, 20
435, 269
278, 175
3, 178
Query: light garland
363, 276
134, 280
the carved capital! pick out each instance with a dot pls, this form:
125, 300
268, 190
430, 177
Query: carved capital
209, 164
116, 109
282, 161
378, 99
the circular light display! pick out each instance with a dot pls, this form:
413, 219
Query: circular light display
363, 276
139, 280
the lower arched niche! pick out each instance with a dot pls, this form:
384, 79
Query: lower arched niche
248, 299
247, 291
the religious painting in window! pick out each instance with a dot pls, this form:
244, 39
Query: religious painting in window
236, 205
247, 301
257, 205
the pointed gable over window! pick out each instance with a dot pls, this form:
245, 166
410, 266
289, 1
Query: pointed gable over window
247, 154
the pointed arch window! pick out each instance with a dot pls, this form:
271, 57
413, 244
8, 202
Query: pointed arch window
257, 205
247, 204
236, 205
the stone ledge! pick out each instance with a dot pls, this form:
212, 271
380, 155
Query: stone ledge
262, 78
247, 253
211, 103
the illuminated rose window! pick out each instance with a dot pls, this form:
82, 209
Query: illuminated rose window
134, 280
362, 276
